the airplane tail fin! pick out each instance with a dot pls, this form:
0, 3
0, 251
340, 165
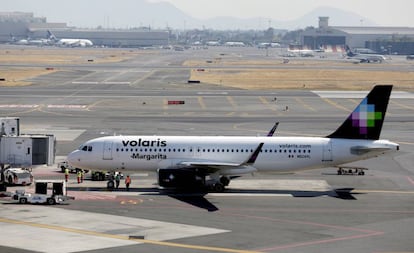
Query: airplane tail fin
349, 52
51, 36
365, 122
12, 38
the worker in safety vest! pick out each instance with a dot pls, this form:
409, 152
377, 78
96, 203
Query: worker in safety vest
79, 176
117, 180
127, 182
82, 175
66, 174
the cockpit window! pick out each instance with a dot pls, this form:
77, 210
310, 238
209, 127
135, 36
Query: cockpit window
86, 148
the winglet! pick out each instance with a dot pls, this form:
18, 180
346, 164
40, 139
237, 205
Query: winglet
273, 130
365, 122
254, 155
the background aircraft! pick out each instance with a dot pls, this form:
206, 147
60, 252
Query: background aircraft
364, 57
29, 41
69, 42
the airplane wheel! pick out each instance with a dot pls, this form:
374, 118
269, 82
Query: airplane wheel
23, 201
110, 185
219, 187
225, 181
51, 201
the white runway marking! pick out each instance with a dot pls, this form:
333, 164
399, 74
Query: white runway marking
359, 94
18, 106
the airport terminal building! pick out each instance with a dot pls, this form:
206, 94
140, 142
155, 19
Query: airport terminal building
22, 25
398, 40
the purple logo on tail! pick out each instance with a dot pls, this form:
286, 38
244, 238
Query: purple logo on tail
364, 116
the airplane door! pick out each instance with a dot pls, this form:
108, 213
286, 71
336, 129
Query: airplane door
327, 152
196, 151
107, 150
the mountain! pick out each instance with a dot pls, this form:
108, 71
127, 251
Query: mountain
137, 13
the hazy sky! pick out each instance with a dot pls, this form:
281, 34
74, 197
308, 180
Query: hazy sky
133, 13
382, 12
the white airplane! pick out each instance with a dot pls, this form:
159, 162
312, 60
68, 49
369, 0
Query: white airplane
29, 41
69, 42
213, 161
368, 58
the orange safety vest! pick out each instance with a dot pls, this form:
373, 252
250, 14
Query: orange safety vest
128, 180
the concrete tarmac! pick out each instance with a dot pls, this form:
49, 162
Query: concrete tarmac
305, 211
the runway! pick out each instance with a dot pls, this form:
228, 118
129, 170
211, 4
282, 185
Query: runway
306, 211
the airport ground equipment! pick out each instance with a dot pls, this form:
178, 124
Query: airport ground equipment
351, 170
18, 176
49, 192
23, 151
63, 165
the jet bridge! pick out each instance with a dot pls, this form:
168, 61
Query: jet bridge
27, 150
23, 150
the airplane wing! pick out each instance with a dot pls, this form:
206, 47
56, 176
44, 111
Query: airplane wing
273, 130
214, 166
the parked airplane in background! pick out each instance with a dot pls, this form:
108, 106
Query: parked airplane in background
364, 57
29, 41
69, 42
268, 45
214, 160
213, 43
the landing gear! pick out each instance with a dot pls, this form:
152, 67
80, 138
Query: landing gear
110, 185
218, 184
218, 187
225, 180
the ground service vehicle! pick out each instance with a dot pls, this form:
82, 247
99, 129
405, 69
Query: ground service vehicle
18, 176
49, 192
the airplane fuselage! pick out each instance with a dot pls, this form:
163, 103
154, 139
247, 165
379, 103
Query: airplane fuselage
277, 154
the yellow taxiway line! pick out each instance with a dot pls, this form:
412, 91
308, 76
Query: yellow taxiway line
122, 237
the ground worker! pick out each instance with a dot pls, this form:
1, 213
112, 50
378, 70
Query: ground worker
66, 175
117, 180
82, 175
79, 176
127, 182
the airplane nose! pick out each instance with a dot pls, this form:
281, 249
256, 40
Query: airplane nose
73, 158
